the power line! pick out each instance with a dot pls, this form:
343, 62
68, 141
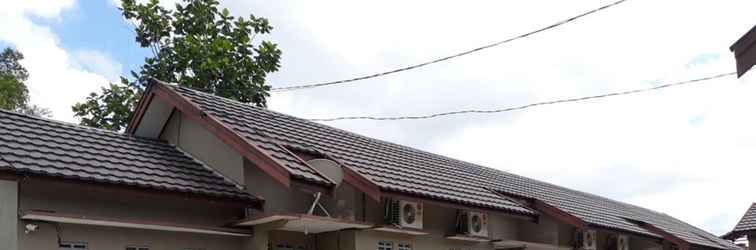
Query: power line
314, 85
576, 99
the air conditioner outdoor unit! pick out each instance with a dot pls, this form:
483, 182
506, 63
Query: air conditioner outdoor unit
404, 214
619, 242
586, 240
474, 224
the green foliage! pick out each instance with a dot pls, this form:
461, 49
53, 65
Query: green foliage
196, 45
110, 109
13, 92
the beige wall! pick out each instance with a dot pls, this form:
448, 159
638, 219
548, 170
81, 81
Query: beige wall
8, 215
636, 242
345, 202
343, 240
75, 199
546, 230
111, 238
204, 146
439, 222
278, 198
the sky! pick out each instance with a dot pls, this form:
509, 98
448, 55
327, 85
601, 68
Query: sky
686, 151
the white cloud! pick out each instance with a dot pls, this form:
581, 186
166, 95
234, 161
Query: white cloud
40, 8
683, 151
99, 63
56, 80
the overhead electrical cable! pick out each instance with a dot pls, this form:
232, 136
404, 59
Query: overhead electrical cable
315, 85
508, 109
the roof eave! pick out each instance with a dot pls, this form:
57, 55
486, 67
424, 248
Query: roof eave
242, 200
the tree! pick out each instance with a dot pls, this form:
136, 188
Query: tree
196, 45
110, 109
14, 95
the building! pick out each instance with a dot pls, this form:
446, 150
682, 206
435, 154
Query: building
746, 227
196, 171
745, 51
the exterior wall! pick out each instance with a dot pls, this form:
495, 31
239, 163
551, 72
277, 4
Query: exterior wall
345, 203
636, 243
74, 199
343, 240
278, 198
203, 145
546, 231
111, 238
293, 240
67, 199
9, 215
751, 241
439, 222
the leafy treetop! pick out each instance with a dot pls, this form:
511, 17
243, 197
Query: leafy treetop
196, 45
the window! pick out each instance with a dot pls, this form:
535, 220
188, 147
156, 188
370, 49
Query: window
404, 246
72, 246
284, 246
137, 248
385, 245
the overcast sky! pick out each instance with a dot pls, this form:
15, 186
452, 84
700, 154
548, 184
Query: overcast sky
688, 151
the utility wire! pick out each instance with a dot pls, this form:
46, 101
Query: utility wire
576, 99
314, 85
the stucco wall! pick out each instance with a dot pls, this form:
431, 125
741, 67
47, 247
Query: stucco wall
8, 214
546, 231
75, 199
438, 222
206, 147
636, 242
111, 238
346, 202
278, 198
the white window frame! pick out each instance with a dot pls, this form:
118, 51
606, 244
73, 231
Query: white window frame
385, 245
70, 245
404, 246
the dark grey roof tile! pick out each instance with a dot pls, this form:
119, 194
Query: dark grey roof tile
45, 147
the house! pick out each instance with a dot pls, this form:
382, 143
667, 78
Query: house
196, 171
745, 51
746, 227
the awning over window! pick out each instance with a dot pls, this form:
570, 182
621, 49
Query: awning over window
305, 223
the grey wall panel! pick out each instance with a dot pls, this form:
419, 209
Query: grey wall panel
8, 215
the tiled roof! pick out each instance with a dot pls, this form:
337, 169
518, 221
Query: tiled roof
403, 169
31, 145
747, 223
388, 165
